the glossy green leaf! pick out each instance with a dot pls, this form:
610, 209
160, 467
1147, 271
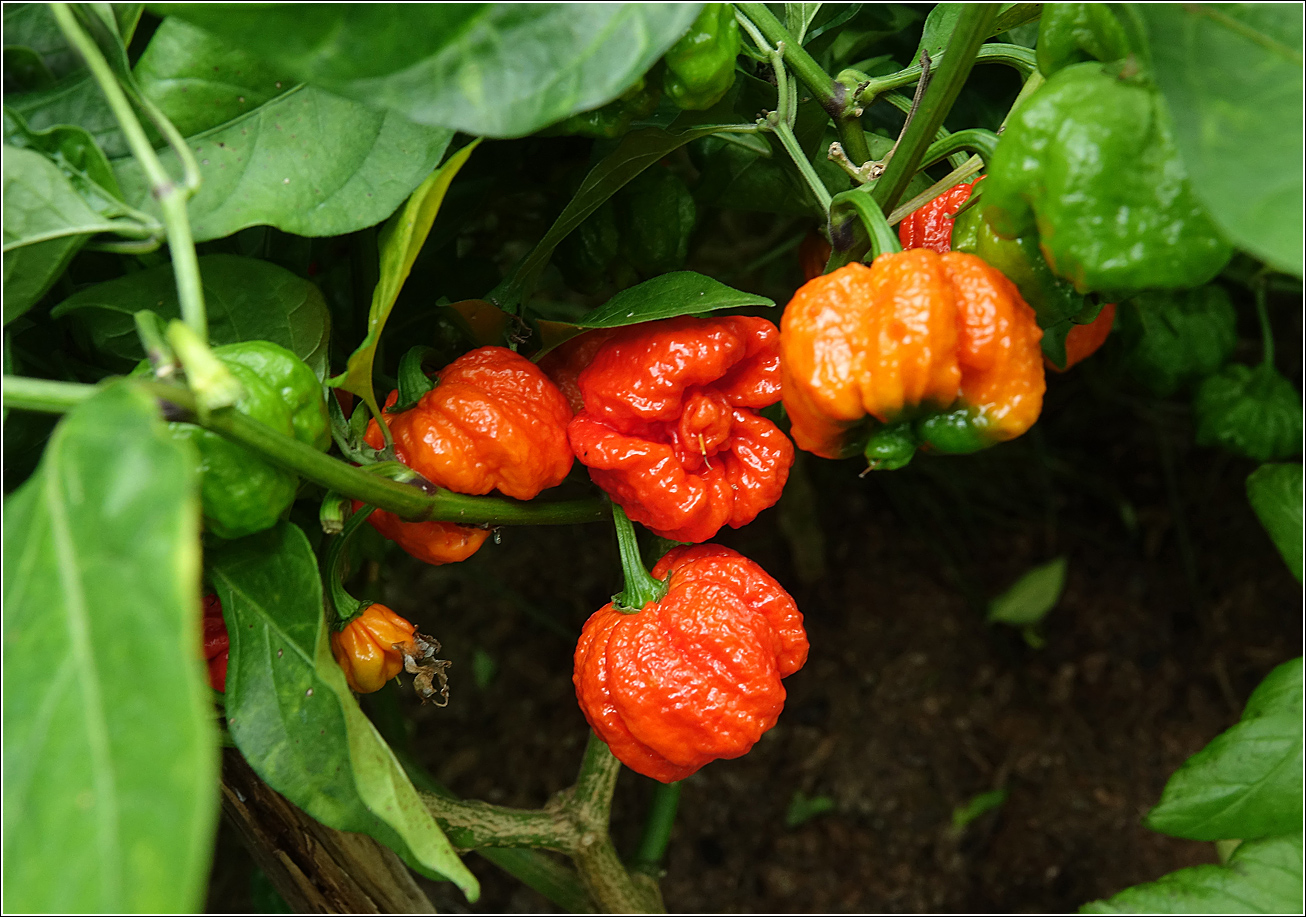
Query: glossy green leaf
1231, 75
292, 714
1032, 596
31, 25
488, 69
45, 223
200, 82
1249, 411
308, 163
1247, 783
247, 300
110, 754
71, 148
669, 295
1275, 492
1261, 877
400, 241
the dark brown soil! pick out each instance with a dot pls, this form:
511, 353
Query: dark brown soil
1176, 605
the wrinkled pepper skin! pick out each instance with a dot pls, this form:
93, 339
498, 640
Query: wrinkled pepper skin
1082, 341
565, 362
931, 226
701, 65
494, 421
670, 428
696, 675
370, 648
1088, 164
930, 349
217, 644
1070, 33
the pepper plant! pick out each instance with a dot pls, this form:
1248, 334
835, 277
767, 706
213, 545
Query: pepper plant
214, 218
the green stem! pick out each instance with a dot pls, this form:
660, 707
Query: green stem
407, 502
345, 605
963, 44
883, 240
170, 195
1263, 316
951, 180
790, 143
470, 825
657, 829
833, 96
975, 139
641, 588
869, 88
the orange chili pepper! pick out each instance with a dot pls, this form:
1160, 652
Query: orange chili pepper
494, 421
694, 676
370, 649
919, 348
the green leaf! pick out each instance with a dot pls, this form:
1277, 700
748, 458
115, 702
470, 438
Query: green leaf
1275, 492
798, 17
977, 806
292, 714
1231, 75
45, 223
400, 241
1032, 596
1252, 412
666, 296
247, 300
1171, 340
1247, 783
636, 152
803, 808
1262, 877
307, 162
110, 754
72, 149
75, 99
494, 70
200, 82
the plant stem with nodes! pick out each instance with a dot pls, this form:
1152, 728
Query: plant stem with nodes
171, 196
409, 502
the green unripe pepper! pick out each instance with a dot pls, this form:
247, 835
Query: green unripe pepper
1171, 340
1055, 303
614, 119
1088, 162
1069, 33
701, 65
294, 382
241, 493
1252, 412
656, 216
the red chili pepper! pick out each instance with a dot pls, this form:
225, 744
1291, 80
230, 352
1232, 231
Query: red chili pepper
563, 364
670, 428
694, 676
1084, 340
931, 226
493, 421
217, 644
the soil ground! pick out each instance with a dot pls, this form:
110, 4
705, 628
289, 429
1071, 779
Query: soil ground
1175, 606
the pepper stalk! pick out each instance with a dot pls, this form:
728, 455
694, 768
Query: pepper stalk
641, 587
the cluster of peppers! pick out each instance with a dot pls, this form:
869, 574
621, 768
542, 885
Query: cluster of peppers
941, 346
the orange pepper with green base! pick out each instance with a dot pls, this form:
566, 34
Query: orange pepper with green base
919, 349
